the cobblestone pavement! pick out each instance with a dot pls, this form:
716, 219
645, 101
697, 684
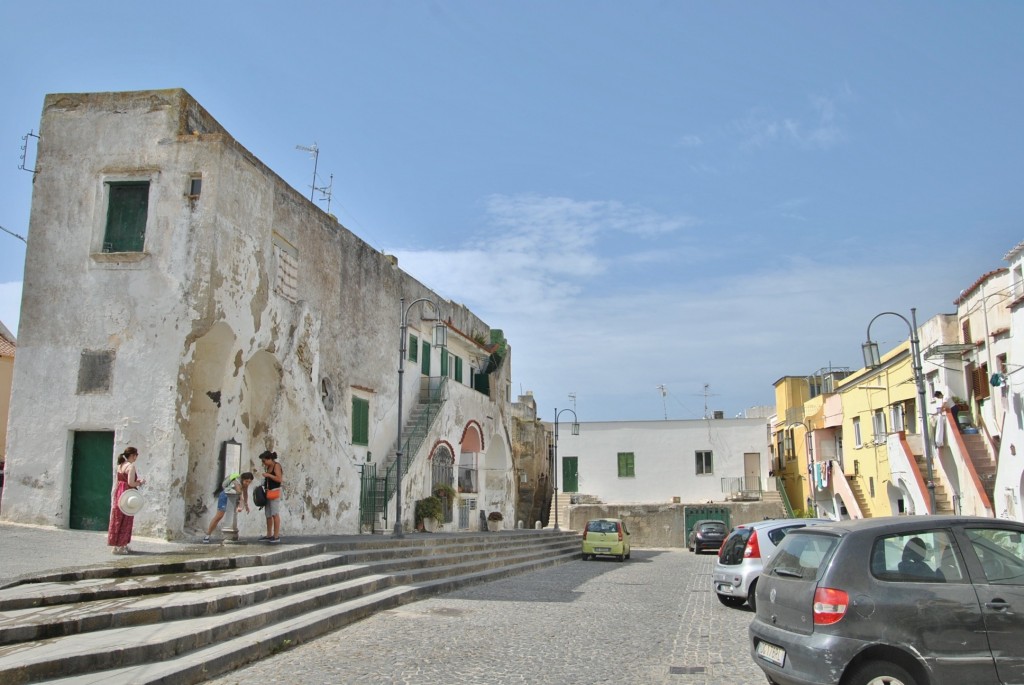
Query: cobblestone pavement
651, 620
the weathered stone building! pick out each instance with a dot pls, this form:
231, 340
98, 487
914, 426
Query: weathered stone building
180, 297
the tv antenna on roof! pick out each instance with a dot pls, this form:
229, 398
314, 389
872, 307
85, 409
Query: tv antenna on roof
664, 404
315, 151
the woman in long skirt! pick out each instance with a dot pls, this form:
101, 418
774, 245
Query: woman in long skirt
119, 534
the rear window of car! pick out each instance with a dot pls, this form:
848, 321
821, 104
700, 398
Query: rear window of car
602, 527
714, 527
732, 551
924, 556
802, 556
777, 534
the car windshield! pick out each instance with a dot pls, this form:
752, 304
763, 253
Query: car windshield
802, 555
714, 527
602, 527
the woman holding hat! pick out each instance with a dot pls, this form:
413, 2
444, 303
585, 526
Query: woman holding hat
273, 476
119, 534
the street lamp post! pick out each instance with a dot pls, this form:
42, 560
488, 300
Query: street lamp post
873, 360
440, 338
554, 467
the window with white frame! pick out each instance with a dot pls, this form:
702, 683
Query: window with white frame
896, 417
703, 462
857, 441
878, 426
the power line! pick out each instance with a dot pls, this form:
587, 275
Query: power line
22, 239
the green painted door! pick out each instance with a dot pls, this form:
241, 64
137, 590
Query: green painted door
570, 474
92, 479
425, 359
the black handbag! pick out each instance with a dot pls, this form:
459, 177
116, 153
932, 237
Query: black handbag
259, 497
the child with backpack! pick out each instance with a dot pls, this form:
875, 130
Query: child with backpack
237, 485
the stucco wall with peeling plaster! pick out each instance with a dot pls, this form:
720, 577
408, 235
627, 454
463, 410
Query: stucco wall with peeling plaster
206, 346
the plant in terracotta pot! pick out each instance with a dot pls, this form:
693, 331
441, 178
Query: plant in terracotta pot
494, 520
429, 513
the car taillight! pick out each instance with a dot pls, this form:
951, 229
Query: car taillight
620, 535
584, 533
753, 548
829, 605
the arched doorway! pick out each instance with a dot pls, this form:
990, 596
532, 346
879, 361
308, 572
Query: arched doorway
442, 473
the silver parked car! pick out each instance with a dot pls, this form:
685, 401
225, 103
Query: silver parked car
743, 555
910, 600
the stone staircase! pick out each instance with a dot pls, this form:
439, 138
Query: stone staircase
562, 502
857, 487
178, 623
984, 464
943, 502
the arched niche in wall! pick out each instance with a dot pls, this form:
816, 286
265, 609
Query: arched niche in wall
470, 448
206, 376
261, 388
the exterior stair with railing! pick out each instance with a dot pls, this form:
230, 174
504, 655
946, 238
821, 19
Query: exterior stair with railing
378, 485
186, 621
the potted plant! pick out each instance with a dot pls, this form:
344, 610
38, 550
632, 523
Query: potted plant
444, 491
429, 513
494, 520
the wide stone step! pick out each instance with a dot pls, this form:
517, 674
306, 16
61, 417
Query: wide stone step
113, 630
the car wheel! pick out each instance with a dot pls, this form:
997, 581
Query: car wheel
622, 557
752, 596
629, 553
730, 601
881, 673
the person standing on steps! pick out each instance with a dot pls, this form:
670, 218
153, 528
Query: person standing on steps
119, 533
237, 487
273, 476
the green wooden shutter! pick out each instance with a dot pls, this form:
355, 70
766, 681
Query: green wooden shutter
458, 368
360, 421
414, 348
626, 465
444, 361
127, 206
425, 359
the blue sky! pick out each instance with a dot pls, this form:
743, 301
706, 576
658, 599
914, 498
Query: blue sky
639, 194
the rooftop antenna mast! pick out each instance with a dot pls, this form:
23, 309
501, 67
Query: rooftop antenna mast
326, 192
707, 393
664, 404
315, 151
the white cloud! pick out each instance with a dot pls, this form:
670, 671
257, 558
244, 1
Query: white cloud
821, 128
10, 305
575, 324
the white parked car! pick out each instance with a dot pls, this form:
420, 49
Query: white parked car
745, 552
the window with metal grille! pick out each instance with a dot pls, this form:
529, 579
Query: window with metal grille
442, 472
127, 209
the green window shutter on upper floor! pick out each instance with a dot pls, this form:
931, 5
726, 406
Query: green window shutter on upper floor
626, 466
444, 361
127, 207
360, 421
458, 369
414, 348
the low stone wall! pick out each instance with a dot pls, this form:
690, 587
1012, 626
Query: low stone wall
664, 525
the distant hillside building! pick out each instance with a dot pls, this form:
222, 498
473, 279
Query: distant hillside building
182, 298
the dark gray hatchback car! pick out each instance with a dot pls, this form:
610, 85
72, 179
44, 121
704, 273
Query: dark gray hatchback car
910, 600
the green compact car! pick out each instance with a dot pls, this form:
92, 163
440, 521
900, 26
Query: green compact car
606, 537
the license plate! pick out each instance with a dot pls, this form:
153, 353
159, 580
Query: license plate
772, 653
602, 550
